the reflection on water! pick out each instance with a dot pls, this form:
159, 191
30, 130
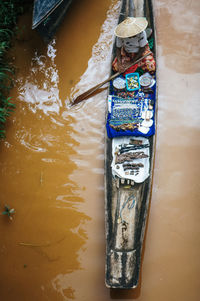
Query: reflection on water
52, 163
99, 63
42, 95
43, 166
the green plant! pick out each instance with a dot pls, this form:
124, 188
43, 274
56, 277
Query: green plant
8, 211
9, 12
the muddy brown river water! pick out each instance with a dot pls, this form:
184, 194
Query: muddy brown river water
52, 162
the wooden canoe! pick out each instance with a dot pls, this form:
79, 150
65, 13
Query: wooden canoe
48, 15
126, 201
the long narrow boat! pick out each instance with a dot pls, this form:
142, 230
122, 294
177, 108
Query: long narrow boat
129, 161
47, 16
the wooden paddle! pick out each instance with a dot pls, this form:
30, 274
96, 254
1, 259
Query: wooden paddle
93, 89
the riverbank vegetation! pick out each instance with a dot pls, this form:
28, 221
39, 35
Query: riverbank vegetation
9, 12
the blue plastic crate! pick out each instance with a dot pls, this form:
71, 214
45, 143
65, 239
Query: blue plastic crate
130, 75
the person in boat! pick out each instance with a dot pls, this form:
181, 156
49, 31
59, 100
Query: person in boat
131, 44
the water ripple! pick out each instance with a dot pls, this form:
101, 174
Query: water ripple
40, 89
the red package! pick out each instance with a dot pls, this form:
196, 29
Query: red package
132, 69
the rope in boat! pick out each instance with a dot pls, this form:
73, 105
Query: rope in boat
130, 206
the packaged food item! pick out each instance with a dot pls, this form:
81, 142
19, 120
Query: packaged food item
132, 81
119, 83
146, 80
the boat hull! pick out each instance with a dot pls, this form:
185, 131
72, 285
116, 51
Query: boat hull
126, 208
48, 22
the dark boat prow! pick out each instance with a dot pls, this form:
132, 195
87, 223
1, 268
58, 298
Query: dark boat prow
127, 201
48, 15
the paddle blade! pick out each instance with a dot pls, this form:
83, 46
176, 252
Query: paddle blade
86, 94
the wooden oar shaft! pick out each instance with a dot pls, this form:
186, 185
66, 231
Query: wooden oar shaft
93, 89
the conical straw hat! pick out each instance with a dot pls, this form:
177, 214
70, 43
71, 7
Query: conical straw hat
130, 27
